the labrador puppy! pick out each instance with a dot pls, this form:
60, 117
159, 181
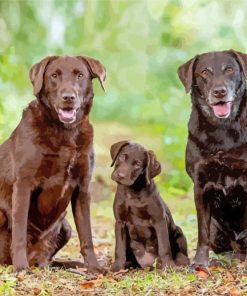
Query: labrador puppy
47, 162
144, 228
216, 151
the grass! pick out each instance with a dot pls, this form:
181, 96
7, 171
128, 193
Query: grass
231, 279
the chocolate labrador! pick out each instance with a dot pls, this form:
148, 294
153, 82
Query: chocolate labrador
216, 151
47, 162
144, 229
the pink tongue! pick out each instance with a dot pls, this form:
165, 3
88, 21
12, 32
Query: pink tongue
67, 113
222, 109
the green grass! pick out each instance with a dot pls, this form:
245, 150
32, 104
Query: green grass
228, 280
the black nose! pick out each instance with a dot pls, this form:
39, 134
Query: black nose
68, 96
219, 92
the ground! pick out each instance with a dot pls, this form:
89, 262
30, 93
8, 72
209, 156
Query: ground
228, 279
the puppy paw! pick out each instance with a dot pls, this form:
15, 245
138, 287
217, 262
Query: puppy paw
182, 259
117, 266
165, 263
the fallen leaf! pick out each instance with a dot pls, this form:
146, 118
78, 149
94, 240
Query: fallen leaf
202, 272
235, 292
36, 291
216, 268
92, 283
88, 285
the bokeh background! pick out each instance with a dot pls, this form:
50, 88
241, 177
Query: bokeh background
141, 43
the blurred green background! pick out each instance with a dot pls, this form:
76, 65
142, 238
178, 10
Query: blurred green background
141, 43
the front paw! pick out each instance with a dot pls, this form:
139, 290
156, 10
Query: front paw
164, 263
95, 269
118, 265
20, 264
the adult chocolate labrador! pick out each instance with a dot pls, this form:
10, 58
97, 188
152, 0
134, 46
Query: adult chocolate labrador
144, 228
47, 162
217, 150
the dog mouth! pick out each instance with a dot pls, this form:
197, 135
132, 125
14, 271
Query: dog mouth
67, 115
222, 109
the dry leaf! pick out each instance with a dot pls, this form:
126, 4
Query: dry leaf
88, 285
36, 291
235, 292
202, 273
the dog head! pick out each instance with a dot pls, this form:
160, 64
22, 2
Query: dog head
217, 82
64, 84
131, 161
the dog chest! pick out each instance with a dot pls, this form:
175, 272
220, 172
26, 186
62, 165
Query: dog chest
59, 176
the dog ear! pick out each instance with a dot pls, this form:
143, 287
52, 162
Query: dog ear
37, 72
96, 69
185, 74
242, 59
116, 148
153, 166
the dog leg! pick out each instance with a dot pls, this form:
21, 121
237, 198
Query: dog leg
20, 206
203, 218
164, 248
81, 211
120, 248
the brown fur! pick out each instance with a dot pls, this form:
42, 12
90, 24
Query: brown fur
144, 229
48, 161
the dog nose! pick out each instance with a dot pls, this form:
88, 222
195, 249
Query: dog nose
68, 96
219, 92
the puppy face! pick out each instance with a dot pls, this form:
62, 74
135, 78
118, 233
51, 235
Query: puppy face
130, 164
218, 81
131, 161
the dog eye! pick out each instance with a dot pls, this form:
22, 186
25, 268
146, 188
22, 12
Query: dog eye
137, 165
204, 73
54, 75
122, 157
80, 75
229, 70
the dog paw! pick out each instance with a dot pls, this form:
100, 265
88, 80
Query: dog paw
20, 264
162, 264
96, 269
182, 260
22, 268
117, 266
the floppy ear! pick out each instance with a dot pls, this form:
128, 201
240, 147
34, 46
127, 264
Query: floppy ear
185, 74
242, 59
37, 72
153, 166
96, 69
116, 148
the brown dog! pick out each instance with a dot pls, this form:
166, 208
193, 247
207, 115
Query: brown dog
144, 229
47, 162
217, 150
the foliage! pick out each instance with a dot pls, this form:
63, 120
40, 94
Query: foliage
141, 43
